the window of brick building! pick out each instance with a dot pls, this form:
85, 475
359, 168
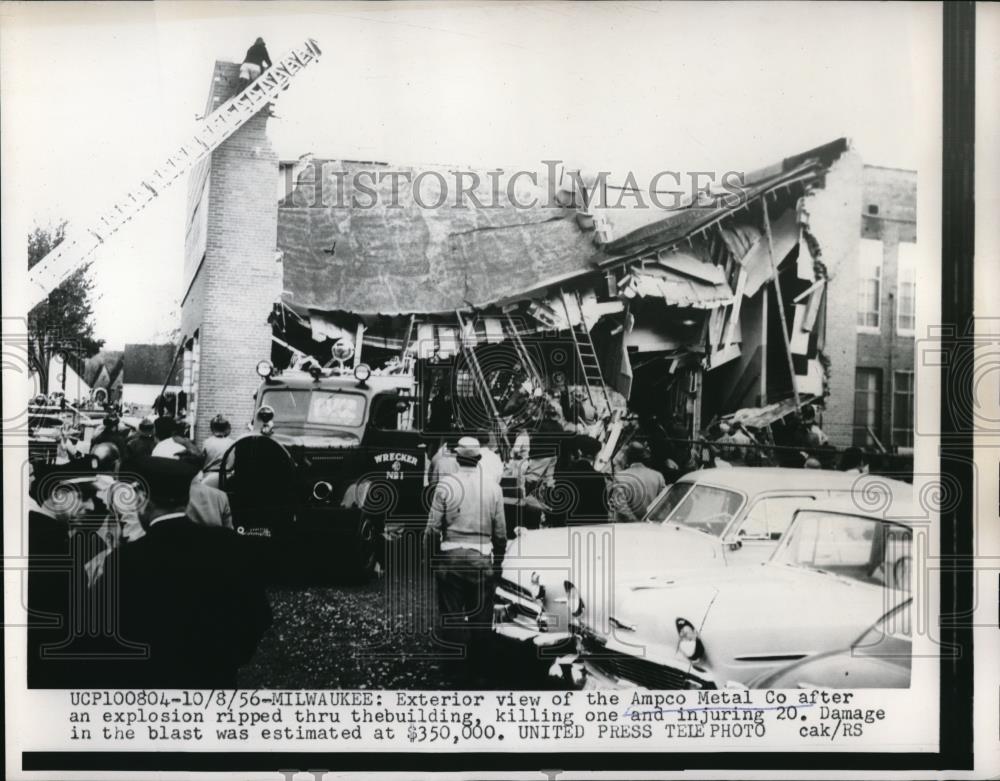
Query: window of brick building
867, 406
906, 289
870, 285
902, 409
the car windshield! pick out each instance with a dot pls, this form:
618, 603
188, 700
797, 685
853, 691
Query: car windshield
319, 407
866, 550
703, 507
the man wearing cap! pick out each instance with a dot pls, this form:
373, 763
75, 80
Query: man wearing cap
467, 525
188, 592
636, 486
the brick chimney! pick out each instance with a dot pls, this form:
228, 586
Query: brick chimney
232, 275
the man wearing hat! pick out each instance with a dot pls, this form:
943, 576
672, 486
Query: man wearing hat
467, 525
187, 592
59, 498
636, 486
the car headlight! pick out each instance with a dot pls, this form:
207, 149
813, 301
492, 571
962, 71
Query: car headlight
573, 599
688, 642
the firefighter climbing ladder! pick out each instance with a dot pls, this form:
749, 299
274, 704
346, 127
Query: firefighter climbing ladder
73, 252
585, 352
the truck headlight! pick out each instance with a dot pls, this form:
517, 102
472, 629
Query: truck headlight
688, 642
322, 491
265, 369
573, 599
362, 372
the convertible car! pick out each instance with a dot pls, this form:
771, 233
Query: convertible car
708, 519
837, 570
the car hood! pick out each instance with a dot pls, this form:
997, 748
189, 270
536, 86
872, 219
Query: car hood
771, 613
634, 550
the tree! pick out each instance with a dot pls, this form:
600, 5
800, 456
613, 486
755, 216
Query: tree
64, 321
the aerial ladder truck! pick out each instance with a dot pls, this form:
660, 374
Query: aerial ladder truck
75, 251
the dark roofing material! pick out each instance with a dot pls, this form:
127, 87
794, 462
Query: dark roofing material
149, 364
413, 259
407, 259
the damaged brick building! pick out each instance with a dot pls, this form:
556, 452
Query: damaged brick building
677, 311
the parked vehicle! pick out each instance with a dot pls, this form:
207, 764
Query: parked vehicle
709, 518
836, 571
48, 424
332, 457
880, 658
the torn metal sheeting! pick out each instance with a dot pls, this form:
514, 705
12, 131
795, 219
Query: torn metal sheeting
761, 417
675, 289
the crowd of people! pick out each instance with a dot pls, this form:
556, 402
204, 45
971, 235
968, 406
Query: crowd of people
136, 576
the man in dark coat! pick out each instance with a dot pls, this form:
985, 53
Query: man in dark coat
580, 493
59, 497
190, 593
256, 62
111, 434
141, 443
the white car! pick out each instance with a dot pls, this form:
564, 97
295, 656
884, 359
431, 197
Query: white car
708, 519
836, 572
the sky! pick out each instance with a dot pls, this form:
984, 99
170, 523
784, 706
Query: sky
93, 96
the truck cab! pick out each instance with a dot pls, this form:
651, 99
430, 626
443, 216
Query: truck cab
333, 455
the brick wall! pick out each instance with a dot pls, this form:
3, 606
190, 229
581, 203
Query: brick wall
835, 220
893, 194
240, 279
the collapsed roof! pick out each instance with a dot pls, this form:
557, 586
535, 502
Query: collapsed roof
391, 255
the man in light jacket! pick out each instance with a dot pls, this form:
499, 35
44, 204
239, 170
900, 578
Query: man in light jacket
467, 529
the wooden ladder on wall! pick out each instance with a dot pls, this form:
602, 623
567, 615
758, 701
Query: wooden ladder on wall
585, 353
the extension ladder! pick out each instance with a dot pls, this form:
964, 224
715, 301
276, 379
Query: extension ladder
72, 253
586, 354
469, 353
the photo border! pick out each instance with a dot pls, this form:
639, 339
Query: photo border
956, 452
